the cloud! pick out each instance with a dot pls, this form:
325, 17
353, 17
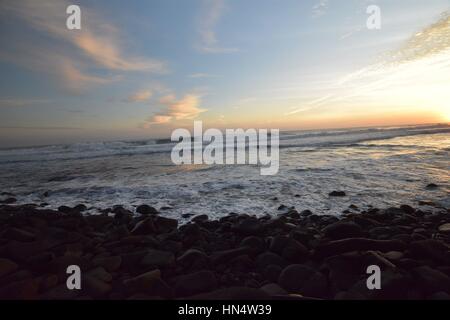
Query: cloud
320, 8
19, 102
140, 96
186, 108
201, 75
77, 58
213, 12
417, 73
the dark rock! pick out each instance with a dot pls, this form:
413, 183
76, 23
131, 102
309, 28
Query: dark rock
269, 258
193, 259
109, 263
249, 227
19, 235
444, 228
164, 225
65, 209
195, 283
221, 257
146, 209
289, 249
430, 248
7, 267
407, 209
186, 215
337, 194
272, 272
358, 244
306, 213
9, 200
200, 218
301, 279
431, 280
342, 230
157, 258
273, 289
80, 208
432, 186
256, 244
144, 227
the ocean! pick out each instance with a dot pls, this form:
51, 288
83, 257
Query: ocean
379, 167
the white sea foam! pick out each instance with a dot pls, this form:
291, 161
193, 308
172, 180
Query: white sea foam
375, 166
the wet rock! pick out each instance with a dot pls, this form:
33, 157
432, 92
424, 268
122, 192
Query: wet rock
301, 279
109, 263
80, 208
144, 227
444, 228
65, 209
146, 209
221, 257
358, 244
430, 248
7, 267
21, 290
164, 225
193, 259
289, 249
306, 213
407, 209
149, 283
249, 227
9, 200
431, 280
272, 272
19, 235
157, 258
200, 218
269, 258
273, 289
337, 194
95, 287
256, 244
195, 283
342, 230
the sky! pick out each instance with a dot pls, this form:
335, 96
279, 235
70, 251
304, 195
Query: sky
139, 69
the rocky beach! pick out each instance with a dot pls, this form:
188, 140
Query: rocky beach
290, 255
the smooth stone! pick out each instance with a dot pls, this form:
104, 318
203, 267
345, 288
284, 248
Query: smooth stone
342, 230
7, 266
431, 280
444, 228
273, 289
358, 244
269, 258
337, 194
304, 280
109, 263
146, 209
157, 258
195, 283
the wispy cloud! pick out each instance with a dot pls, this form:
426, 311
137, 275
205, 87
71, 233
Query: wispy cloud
320, 8
140, 96
201, 75
96, 46
417, 72
187, 107
213, 12
19, 102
